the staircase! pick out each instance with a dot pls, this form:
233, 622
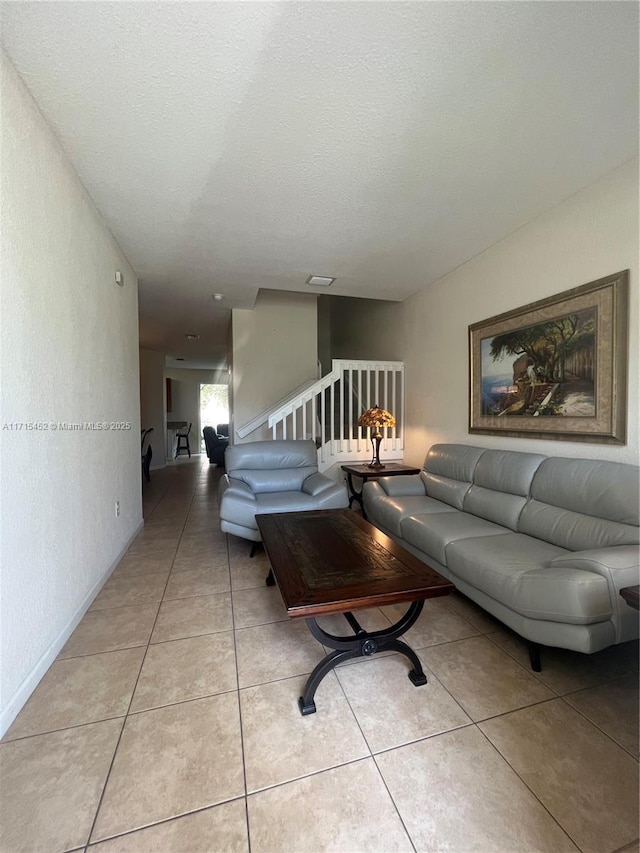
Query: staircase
327, 411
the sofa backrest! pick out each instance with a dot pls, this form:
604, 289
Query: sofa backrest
501, 484
579, 504
272, 466
448, 472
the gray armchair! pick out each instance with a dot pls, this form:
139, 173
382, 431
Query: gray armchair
273, 476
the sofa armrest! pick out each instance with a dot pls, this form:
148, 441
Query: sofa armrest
620, 565
403, 485
316, 484
621, 562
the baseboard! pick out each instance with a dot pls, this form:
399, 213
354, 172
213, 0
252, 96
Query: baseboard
20, 697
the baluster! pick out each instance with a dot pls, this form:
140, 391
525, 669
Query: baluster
341, 443
323, 408
314, 417
332, 425
396, 410
401, 407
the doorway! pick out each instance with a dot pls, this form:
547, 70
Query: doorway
214, 407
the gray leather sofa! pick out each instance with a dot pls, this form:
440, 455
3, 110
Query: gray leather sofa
544, 544
273, 476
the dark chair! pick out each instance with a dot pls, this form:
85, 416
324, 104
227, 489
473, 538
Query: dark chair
183, 437
215, 445
223, 430
146, 454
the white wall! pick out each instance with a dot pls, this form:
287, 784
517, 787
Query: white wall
152, 402
275, 349
590, 235
69, 353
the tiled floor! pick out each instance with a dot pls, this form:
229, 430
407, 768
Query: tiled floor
169, 722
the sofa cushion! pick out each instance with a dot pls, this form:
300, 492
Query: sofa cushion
581, 504
515, 570
433, 532
573, 530
501, 484
390, 512
448, 472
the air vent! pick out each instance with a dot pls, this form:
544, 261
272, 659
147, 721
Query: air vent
320, 281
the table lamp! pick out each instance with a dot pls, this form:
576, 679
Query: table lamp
376, 418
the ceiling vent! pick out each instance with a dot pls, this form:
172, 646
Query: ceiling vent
320, 281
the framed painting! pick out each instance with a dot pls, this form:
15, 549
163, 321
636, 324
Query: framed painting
554, 369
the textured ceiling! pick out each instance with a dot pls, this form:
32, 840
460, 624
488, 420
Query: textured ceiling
233, 146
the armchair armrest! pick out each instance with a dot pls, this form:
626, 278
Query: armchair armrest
238, 489
403, 485
234, 489
317, 483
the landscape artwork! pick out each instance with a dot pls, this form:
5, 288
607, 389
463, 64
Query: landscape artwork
554, 368
546, 370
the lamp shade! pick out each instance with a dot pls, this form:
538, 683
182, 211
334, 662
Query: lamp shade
376, 417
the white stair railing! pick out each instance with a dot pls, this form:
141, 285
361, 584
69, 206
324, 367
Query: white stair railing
328, 410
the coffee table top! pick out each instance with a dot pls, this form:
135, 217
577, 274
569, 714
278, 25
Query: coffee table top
332, 561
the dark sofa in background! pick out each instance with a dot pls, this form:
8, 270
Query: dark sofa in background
216, 446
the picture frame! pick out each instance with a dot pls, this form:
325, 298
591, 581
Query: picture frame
555, 368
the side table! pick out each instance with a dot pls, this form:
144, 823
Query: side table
392, 469
631, 595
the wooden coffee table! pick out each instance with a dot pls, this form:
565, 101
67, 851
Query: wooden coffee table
333, 561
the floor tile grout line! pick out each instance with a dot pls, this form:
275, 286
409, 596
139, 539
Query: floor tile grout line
285, 782
242, 751
395, 805
115, 752
165, 820
443, 685
598, 727
533, 793
627, 848
237, 691
372, 756
524, 666
516, 710
62, 729
602, 679
416, 740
